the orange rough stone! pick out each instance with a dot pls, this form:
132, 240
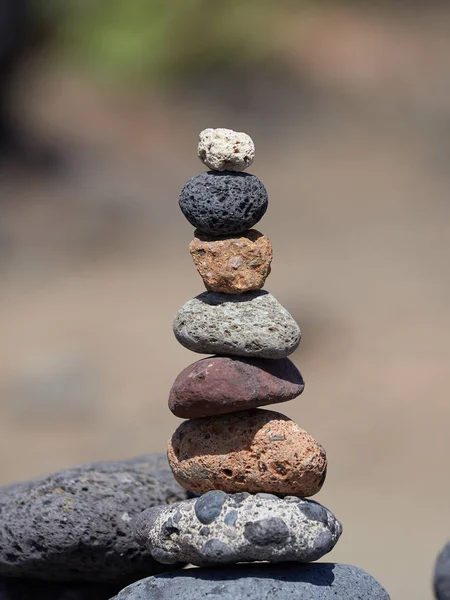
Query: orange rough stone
252, 451
232, 265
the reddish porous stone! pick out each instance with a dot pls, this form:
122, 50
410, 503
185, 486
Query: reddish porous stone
250, 451
221, 384
232, 265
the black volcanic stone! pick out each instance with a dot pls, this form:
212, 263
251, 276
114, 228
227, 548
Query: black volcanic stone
287, 581
76, 525
442, 574
225, 203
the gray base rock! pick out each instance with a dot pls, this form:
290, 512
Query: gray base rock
442, 574
289, 581
23, 589
220, 528
76, 525
250, 324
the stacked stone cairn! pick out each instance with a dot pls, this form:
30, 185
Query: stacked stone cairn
250, 470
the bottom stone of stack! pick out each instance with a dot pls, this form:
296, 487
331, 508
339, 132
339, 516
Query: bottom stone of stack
31, 589
220, 528
289, 581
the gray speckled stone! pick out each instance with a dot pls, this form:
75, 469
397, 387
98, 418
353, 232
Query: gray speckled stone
225, 203
220, 528
289, 581
26, 589
252, 324
75, 525
442, 574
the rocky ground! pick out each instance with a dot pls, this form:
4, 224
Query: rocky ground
95, 263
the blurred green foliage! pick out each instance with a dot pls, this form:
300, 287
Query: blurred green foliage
166, 40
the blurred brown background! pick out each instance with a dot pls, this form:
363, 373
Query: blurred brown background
349, 107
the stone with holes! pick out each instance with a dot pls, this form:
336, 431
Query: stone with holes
223, 204
223, 384
230, 528
31, 589
288, 581
232, 265
253, 451
250, 325
75, 525
225, 150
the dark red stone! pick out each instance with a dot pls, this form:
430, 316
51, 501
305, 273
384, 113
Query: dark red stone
221, 384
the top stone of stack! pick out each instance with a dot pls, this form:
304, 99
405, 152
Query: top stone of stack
225, 149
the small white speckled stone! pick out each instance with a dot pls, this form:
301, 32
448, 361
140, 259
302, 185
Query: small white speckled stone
225, 149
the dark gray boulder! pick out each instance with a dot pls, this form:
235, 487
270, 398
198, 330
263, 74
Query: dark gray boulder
287, 581
76, 525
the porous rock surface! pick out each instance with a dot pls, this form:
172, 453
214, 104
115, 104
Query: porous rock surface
30, 589
225, 150
75, 525
250, 325
220, 528
232, 265
287, 581
252, 451
223, 203
442, 574
223, 384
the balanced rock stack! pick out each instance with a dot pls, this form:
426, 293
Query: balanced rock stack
252, 469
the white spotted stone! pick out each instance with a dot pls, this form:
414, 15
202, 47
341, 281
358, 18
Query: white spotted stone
225, 149
220, 528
